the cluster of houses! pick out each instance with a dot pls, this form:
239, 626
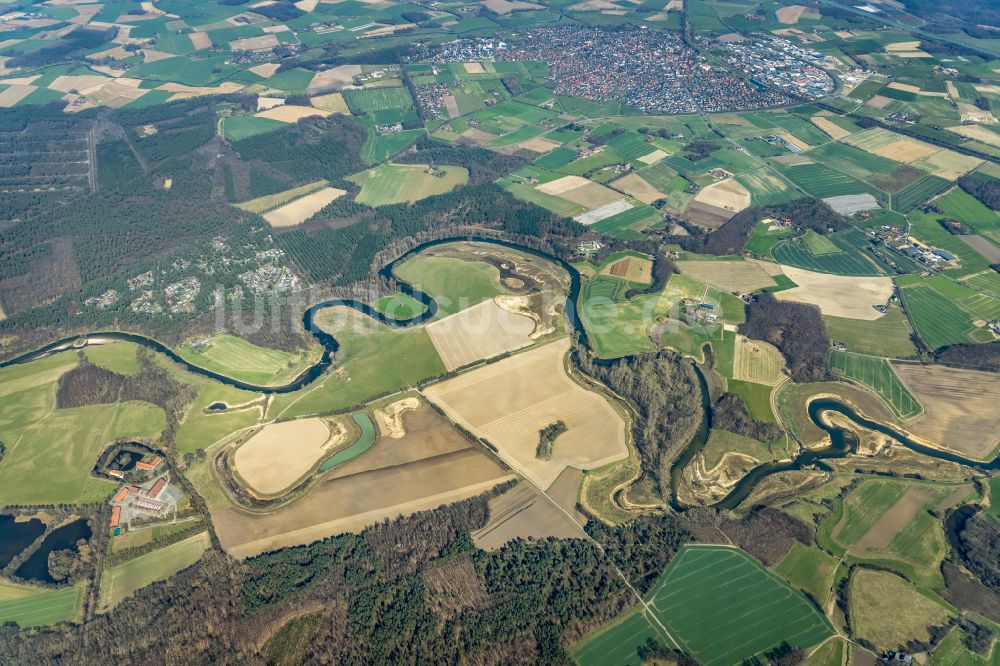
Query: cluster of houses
142, 502
932, 257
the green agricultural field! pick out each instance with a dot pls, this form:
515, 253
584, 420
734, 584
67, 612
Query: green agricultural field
622, 225
399, 306
60, 445
876, 374
821, 181
119, 582
618, 642
810, 569
852, 161
399, 183
756, 396
38, 606
380, 147
887, 336
952, 651
722, 606
818, 244
615, 326
117, 357
935, 318
766, 188
830, 653
377, 99
918, 192
979, 305
455, 284
235, 357
794, 252
236, 128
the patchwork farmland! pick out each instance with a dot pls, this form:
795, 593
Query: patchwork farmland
878, 375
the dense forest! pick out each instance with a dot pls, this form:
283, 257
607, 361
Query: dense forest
663, 391
974, 356
794, 328
412, 590
983, 187
730, 413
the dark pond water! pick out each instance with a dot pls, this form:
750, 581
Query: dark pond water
15, 537
217, 407
36, 567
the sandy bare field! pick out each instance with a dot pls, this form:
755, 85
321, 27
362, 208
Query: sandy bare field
960, 407
793, 140
390, 417
878, 101
334, 78
758, 362
267, 69
903, 46
332, 102
729, 194
290, 113
281, 454
978, 133
66, 83
503, 7
653, 157
482, 331
474, 68
896, 85
539, 145
906, 150
508, 402
476, 136
729, 276
892, 521
432, 465
302, 209
523, 512
636, 186
983, 246
789, 15
259, 43
307, 5
838, 295
948, 164
581, 191
451, 105
633, 269
14, 94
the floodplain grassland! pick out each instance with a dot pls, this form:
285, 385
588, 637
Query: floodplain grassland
121, 581
877, 375
454, 283
376, 360
399, 306
35, 606
117, 357
240, 359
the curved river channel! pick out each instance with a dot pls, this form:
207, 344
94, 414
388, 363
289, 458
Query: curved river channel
842, 443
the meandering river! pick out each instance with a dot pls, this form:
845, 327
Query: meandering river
842, 442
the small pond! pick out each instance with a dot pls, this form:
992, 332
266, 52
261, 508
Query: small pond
36, 567
16, 536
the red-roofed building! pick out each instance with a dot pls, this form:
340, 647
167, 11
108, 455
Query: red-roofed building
149, 466
157, 488
116, 516
117, 473
120, 495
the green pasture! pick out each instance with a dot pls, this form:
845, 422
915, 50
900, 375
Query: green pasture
454, 283
380, 147
618, 642
810, 569
822, 181
377, 99
121, 581
235, 128
766, 188
399, 306
918, 192
240, 359
877, 374
60, 445
117, 357
795, 252
887, 336
37, 606
399, 183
